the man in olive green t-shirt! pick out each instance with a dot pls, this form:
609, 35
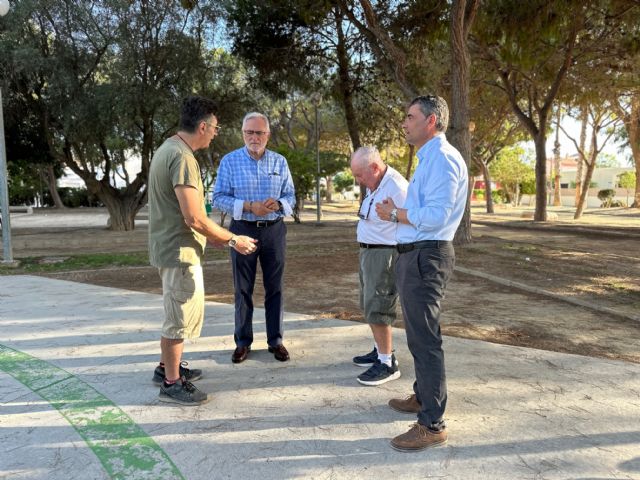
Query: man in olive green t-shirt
178, 232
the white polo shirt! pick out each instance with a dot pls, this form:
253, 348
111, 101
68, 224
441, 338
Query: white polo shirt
371, 229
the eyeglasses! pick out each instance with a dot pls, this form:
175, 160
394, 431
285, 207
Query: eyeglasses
258, 133
217, 127
360, 214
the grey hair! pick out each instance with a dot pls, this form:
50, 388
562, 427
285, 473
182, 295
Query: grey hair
434, 105
367, 155
251, 115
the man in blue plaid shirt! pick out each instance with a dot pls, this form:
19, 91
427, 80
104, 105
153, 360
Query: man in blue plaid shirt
255, 188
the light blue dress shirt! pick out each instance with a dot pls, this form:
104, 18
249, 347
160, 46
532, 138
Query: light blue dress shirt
437, 193
241, 178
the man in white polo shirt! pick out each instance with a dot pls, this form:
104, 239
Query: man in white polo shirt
377, 239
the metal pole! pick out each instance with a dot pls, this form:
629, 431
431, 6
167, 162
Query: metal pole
318, 163
4, 195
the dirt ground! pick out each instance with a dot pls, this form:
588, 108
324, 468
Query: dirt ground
599, 264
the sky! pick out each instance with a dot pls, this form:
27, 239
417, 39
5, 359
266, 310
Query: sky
567, 148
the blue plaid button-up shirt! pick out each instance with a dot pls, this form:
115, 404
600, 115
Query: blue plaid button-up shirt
242, 178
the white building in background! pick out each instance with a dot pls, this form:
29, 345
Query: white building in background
70, 179
603, 178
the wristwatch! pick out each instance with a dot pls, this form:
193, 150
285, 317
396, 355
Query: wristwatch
281, 208
393, 216
233, 241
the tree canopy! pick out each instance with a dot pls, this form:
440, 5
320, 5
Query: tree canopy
93, 86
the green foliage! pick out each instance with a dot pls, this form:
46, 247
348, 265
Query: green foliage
499, 196
343, 181
102, 82
606, 197
627, 180
528, 187
77, 197
509, 169
77, 262
302, 167
606, 160
275, 37
332, 163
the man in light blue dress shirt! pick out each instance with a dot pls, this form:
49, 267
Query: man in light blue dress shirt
254, 186
427, 223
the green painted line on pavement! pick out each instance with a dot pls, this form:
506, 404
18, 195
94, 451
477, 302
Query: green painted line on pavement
123, 448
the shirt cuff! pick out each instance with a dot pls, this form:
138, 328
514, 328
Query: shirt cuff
286, 208
238, 205
412, 220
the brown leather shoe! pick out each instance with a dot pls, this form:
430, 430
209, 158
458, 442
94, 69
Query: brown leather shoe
409, 404
240, 354
279, 352
417, 438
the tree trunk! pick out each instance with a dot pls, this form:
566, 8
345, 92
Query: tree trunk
584, 121
634, 141
486, 175
345, 84
412, 153
50, 177
299, 206
556, 163
122, 212
557, 202
540, 142
585, 191
329, 195
461, 20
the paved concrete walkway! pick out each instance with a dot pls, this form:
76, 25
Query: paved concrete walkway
77, 402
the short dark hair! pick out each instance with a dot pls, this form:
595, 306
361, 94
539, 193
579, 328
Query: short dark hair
196, 109
434, 105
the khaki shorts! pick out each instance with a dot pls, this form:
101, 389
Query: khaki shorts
378, 293
183, 292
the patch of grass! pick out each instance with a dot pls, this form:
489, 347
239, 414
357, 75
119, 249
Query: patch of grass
77, 262
520, 247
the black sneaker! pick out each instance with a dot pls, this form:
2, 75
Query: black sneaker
380, 373
367, 360
191, 374
182, 392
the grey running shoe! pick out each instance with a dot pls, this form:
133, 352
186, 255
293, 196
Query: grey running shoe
182, 392
380, 373
367, 360
191, 374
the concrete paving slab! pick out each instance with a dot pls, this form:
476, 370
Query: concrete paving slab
514, 413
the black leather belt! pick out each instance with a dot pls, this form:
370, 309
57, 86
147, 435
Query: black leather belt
407, 247
261, 223
374, 245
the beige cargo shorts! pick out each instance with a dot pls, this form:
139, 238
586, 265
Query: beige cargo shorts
183, 293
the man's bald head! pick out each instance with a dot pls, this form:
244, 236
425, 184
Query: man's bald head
367, 167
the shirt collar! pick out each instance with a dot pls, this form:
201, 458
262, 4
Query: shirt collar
435, 142
246, 152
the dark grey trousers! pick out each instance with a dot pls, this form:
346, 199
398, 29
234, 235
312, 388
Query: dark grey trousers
422, 276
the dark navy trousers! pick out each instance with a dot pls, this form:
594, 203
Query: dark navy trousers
421, 277
272, 246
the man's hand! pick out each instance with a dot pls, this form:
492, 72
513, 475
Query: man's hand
260, 209
383, 209
271, 204
245, 245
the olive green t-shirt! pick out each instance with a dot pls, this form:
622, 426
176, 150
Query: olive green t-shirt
171, 242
